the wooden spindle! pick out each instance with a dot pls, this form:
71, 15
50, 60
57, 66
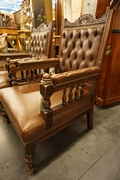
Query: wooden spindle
71, 94
81, 90
46, 90
28, 75
64, 97
22, 75
76, 92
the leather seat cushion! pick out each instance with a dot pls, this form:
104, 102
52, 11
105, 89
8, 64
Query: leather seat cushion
21, 104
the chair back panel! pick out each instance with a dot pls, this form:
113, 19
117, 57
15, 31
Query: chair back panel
80, 45
41, 40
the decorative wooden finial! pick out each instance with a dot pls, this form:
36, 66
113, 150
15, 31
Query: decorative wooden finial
46, 79
46, 76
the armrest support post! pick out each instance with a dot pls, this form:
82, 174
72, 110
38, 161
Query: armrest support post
12, 72
46, 90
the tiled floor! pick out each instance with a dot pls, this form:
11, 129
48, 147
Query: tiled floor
72, 154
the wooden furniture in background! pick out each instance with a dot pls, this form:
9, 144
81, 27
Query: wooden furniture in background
108, 91
1, 20
3, 43
25, 16
24, 40
10, 31
17, 18
101, 7
58, 16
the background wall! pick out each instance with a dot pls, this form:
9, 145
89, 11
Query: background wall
89, 7
72, 9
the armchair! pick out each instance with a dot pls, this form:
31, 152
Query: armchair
74, 86
65, 96
40, 47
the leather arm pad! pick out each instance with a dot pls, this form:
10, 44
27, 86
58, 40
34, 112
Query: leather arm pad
73, 77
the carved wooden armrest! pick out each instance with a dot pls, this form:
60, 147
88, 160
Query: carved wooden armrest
72, 80
66, 79
29, 68
41, 63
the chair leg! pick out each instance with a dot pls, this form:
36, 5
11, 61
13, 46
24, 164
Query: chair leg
5, 118
29, 157
90, 120
4, 115
29, 160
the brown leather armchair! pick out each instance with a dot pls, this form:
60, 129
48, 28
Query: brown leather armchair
40, 47
65, 96
74, 86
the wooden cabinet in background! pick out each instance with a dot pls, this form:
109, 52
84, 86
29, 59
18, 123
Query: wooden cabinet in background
108, 91
109, 84
101, 7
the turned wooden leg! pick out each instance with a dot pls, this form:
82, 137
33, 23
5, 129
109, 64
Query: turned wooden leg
29, 157
90, 120
5, 119
4, 115
29, 160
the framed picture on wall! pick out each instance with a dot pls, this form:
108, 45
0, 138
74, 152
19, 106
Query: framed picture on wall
39, 12
42, 11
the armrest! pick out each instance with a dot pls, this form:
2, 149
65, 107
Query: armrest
66, 79
15, 61
63, 81
27, 68
37, 63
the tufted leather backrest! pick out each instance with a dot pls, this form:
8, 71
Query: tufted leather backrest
41, 40
80, 43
